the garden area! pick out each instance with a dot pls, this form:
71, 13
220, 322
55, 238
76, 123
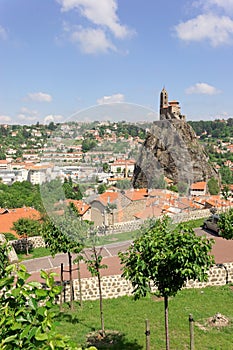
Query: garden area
127, 317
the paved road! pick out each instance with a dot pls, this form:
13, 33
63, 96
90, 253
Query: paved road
222, 251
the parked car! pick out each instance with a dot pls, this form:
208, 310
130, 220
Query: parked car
212, 223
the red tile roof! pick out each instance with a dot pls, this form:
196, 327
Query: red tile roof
7, 219
199, 186
136, 194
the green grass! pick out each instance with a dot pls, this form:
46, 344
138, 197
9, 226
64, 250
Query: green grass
35, 253
195, 223
128, 317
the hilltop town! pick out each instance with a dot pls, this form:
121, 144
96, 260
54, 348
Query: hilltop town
99, 158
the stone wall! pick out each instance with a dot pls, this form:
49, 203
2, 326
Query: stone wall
116, 286
32, 242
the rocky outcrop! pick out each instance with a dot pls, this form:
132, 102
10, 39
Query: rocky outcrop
172, 149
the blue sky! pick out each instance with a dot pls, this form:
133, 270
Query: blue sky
58, 57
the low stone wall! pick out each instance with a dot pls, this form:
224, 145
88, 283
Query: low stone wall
32, 242
116, 286
192, 215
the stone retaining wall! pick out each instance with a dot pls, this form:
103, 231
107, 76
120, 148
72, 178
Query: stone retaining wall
116, 286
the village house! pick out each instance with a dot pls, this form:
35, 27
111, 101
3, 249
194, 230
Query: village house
198, 188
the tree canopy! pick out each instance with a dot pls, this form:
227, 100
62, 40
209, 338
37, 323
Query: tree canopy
225, 224
166, 256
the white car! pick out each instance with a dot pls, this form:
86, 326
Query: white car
212, 223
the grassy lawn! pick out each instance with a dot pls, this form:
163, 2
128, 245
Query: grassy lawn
35, 253
128, 317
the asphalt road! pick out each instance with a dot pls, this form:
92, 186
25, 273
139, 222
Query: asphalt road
222, 251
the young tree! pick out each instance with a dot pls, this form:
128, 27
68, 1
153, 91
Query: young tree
167, 256
67, 235
213, 186
225, 224
94, 265
26, 227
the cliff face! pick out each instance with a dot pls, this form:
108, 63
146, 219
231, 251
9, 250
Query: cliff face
171, 149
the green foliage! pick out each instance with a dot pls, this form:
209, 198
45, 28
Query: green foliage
106, 167
27, 321
67, 234
124, 184
88, 144
20, 194
101, 188
225, 224
27, 227
4, 250
167, 256
213, 186
71, 191
226, 175
225, 192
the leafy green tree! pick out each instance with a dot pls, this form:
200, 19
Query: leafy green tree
124, 184
101, 188
66, 234
27, 227
71, 192
106, 167
88, 144
226, 175
225, 192
4, 250
167, 257
213, 186
94, 265
27, 321
225, 224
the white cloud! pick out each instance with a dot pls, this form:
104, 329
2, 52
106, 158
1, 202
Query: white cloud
28, 115
217, 30
92, 40
5, 119
39, 97
52, 118
102, 13
202, 88
26, 118
3, 33
225, 5
116, 98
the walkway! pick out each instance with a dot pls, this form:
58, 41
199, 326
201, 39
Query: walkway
222, 251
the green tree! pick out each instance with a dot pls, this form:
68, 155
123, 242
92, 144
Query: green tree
225, 224
106, 167
101, 188
166, 256
226, 175
26, 227
213, 186
27, 321
66, 234
225, 192
4, 250
124, 184
94, 265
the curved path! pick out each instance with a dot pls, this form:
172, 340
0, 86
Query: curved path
222, 251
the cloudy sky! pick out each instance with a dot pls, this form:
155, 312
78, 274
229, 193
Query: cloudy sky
59, 57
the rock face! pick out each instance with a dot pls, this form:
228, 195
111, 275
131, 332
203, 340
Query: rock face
171, 149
